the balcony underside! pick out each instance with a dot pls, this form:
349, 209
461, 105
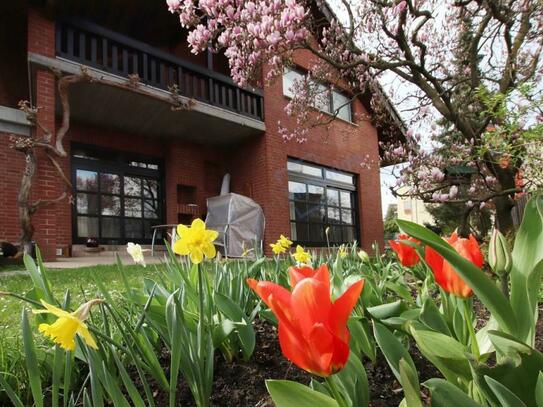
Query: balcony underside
147, 111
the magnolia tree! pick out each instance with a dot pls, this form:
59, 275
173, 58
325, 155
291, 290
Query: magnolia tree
475, 65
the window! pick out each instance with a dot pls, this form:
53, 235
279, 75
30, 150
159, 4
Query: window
321, 198
115, 200
326, 100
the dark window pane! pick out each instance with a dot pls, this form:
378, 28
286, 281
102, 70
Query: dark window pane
133, 229
150, 209
86, 180
110, 183
315, 213
293, 233
302, 234
348, 234
150, 188
345, 199
347, 216
132, 186
292, 210
296, 190
111, 227
316, 233
132, 207
339, 177
333, 215
111, 205
87, 204
300, 211
332, 196
315, 194
148, 231
87, 227
335, 234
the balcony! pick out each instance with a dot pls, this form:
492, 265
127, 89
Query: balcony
111, 52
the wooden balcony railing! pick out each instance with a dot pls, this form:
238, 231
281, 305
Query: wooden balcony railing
106, 50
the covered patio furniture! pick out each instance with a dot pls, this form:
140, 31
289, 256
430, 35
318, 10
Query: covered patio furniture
239, 221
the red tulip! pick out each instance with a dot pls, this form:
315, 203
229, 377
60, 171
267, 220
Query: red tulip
445, 274
407, 255
313, 330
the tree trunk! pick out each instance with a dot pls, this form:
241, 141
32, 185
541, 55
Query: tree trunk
23, 201
504, 219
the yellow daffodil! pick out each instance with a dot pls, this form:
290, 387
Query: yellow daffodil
342, 252
284, 241
301, 256
278, 248
136, 252
64, 329
196, 241
363, 256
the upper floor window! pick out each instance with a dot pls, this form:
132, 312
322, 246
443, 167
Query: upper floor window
326, 100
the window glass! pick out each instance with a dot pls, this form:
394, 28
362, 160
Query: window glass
296, 190
339, 177
322, 98
133, 229
111, 228
132, 208
289, 77
87, 204
111, 205
342, 105
150, 208
150, 188
110, 183
317, 203
86, 180
87, 226
132, 186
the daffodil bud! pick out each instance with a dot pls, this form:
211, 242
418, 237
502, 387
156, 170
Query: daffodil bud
363, 256
499, 254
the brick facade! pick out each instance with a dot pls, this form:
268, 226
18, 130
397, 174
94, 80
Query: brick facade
258, 166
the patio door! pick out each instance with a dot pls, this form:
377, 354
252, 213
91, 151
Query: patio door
117, 199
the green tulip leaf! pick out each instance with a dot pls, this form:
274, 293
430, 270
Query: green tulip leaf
482, 286
504, 395
539, 390
392, 348
389, 310
446, 394
410, 385
285, 393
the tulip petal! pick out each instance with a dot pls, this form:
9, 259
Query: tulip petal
295, 348
310, 303
321, 349
476, 254
297, 274
276, 297
342, 308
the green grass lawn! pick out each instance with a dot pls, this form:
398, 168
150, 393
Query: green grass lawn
80, 282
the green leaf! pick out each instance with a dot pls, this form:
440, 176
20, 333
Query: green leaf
482, 286
127, 381
392, 348
4, 386
361, 340
354, 381
410, 385
432, 318
285, 393
539, 390
246, 332
528, 268
32, 367
444, 352
389, 310
445, 394
504, 395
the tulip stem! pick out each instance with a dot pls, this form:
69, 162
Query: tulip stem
335, 391
469, 321
504, 284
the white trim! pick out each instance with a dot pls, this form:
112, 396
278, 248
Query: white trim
13, 121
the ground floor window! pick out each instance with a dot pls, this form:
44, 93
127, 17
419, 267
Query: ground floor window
118, 198
321, 198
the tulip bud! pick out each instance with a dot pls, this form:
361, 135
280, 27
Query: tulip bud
499, 254
363, 256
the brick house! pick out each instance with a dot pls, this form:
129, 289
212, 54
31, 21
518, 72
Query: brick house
134, 162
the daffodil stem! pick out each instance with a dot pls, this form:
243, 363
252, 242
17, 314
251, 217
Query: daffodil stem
469, 322
335, 391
